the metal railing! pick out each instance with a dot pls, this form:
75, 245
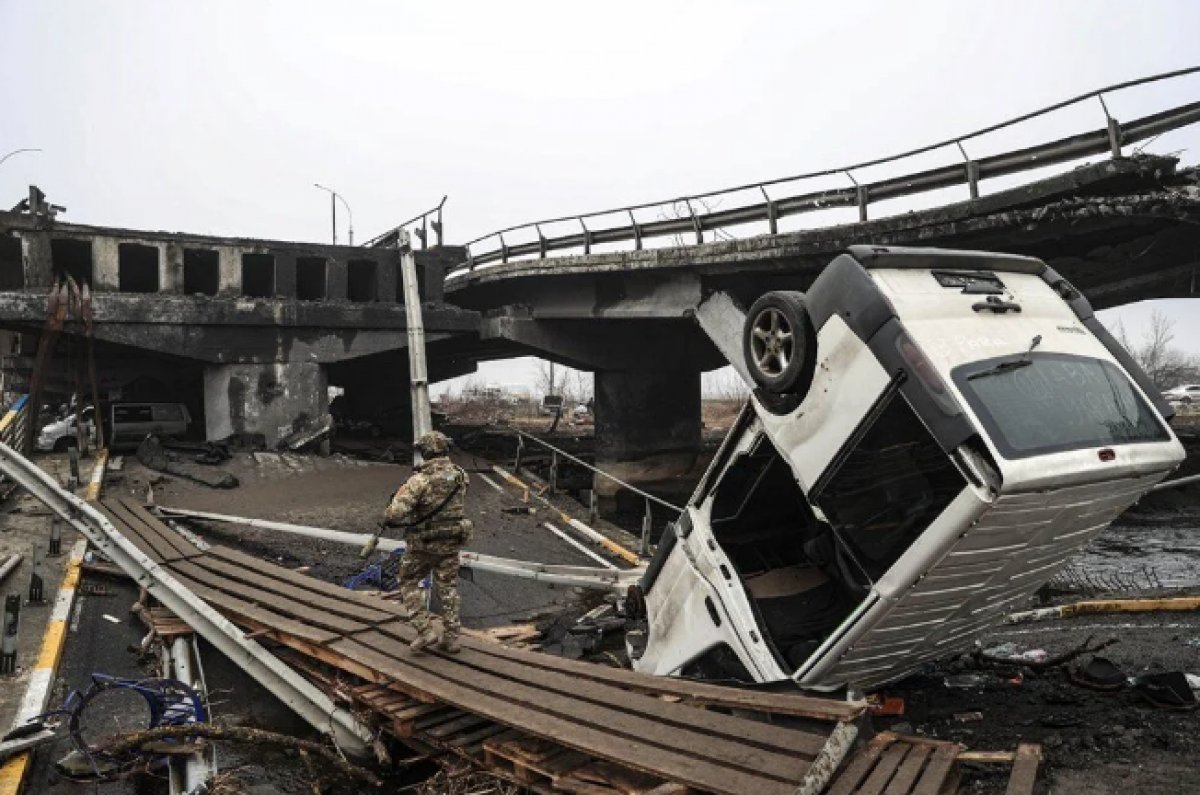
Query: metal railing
694, 216
12, 424
555, 453
391, 237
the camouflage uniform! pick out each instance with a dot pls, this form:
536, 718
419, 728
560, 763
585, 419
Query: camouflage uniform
434, 543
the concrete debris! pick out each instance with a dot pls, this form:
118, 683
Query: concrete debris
154, 455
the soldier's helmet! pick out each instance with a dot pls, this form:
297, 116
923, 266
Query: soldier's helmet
433, 444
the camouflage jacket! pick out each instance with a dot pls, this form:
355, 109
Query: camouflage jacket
418, 499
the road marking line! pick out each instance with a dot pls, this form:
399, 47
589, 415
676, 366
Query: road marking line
97, 480
41, 678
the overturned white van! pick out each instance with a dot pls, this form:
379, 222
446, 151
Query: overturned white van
932, 435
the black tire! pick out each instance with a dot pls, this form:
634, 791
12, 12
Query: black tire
779, 344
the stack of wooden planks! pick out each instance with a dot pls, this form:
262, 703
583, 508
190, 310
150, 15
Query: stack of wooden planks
552, 724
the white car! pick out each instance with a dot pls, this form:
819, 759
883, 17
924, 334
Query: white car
933, 434
58, 435
1185, 394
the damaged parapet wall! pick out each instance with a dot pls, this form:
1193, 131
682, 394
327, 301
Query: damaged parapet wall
272, 400
265, 326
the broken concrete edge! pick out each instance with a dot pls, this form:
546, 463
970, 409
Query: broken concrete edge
41, 678
308, 701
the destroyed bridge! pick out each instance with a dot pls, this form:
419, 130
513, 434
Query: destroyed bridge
248, 333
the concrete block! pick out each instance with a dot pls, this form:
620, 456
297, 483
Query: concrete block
106, 268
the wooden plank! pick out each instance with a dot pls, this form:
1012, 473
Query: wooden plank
305, 581
128, 532
153, 524
468, 721
162, 545
1025, 769
260, 617
906, 776
638, 753
217, 582
788, 741
478, 736
939, 768
279, 594
617, 716
847, 783
884, 769
780, 702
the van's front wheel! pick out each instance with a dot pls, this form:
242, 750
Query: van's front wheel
779, 343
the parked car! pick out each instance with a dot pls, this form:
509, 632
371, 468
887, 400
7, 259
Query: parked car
130, 423
932, 435
57, 436
1185, 394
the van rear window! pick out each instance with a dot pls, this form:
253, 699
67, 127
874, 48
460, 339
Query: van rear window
1056, 402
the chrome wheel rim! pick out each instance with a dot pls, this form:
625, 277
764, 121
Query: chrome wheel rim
772, 342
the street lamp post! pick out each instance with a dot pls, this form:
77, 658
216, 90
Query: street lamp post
334, 198
16, 152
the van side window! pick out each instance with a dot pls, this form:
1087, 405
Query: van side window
171, 412
887, 490
133, 414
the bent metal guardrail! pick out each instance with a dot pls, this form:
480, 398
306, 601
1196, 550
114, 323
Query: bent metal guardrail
695, 217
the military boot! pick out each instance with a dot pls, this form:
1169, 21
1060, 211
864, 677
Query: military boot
426, 638
449, 642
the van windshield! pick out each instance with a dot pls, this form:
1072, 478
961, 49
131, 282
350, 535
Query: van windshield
1056, 402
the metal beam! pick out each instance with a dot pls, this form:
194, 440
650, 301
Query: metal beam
283, 682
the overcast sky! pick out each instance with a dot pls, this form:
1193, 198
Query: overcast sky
217, 117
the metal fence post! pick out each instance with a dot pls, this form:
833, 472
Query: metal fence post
593, 507
553, 473
647, 523
73, 458
55, 536
520, 449
8, 643
37, 583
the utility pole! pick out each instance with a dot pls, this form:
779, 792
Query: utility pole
417, 366
334, 198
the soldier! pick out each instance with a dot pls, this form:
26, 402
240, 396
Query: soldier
430, 508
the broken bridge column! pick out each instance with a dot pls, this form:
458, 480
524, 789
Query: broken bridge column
647, 434
269, 399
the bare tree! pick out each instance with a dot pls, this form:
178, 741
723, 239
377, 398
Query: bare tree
1165, 364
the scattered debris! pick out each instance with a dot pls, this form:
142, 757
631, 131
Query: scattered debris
152, 454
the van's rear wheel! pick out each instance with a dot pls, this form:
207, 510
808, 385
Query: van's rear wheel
779, 343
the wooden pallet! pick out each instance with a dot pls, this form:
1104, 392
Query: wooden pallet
894, 764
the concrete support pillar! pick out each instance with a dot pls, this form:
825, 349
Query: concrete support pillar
230, 270
38, 263
647, 433
106, 264
170, 268
269, 399
387, 280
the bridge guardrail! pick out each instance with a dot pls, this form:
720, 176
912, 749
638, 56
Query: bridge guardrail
1110, 138
14, 421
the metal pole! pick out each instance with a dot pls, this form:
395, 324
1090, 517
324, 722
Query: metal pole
9, 566
647, 523
55, 537
418, 373
17, 152
8, 643
37, 583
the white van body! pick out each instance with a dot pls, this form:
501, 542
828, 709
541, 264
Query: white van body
915, 492
130, 423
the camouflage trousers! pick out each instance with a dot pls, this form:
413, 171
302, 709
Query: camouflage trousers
439, 558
